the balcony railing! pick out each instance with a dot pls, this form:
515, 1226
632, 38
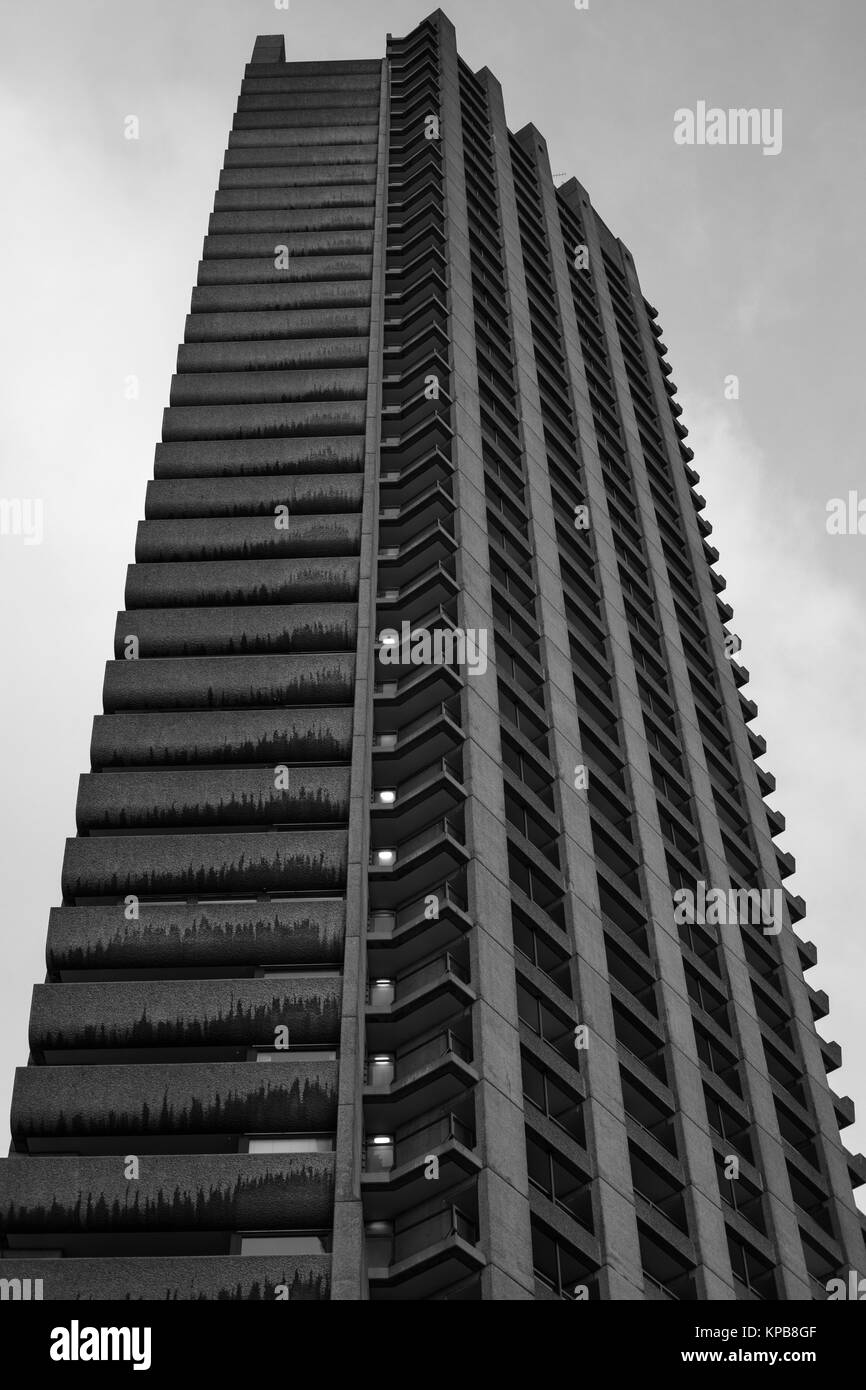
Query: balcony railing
433, 1229
423, 1053
430, 1136
449, 765
424, 839
660, 1287
386, 922
437, 711
425, 974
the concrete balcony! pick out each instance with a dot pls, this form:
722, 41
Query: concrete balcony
259, 457
416, 412
397, 487
54, 1196
199, 1098
398, 940
399, 1184
280, 355
302, 79
292, 98
398, 525
232, 682
238, 631
435, 790
412, 694
259, 327
330, 79
844, 1108
273, 419
247, 270
162, 865
331, 494
299, 1278
428, 996
819, 1001
146, 1014
278, 160
400, 565
249, 117
426, 1256
298, 176
281, 295
409, 603
796, 905
295, 931
316, 140
248, 538
268, 150
404, 448
424, 1076
310, 196
222, 737
232, 582
341, 68
436, 853
291, 221
328, 382
434, 734
166, 797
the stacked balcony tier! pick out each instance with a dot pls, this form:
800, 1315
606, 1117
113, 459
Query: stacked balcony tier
202, 926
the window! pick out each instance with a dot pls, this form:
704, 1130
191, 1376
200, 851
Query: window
549, 1095
730, 1128
741, 1196
301, 1244
379, 1153
288, 1054
556, 1264
721, 1062
752, 1273
531, 827
536, 887
536, 947
290, 1144
547, 1023
559, 1181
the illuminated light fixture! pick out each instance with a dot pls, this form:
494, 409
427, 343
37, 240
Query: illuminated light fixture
381, 1139
389, 639
387, 797
382, 1059
386, 856
383, 984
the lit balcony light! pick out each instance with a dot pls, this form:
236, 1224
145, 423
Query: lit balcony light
384, 1058
381, 1139
387, 796
383, 984
386, 856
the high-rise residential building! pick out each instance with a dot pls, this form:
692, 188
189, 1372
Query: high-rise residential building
424, 936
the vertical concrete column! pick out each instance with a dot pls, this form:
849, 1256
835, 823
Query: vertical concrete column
503, 1181
621, 1276
269, 48
780, 1201
349, 1274
757, 1092
707, 1224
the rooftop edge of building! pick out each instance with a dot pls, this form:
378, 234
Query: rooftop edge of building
269, 51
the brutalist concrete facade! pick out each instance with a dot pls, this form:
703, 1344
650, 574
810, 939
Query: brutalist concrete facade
422, 724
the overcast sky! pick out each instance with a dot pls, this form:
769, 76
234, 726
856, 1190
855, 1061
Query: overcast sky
755, 264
